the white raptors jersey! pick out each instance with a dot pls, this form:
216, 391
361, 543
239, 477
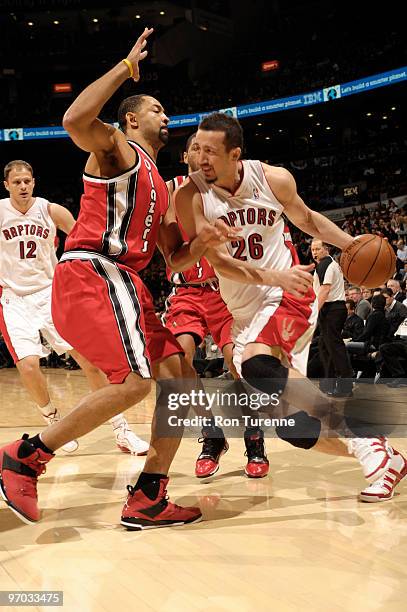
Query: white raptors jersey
27, 254
266, 241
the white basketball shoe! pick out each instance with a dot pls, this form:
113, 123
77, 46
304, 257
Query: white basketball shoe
53, 417
373, 454
128, 442
383, 488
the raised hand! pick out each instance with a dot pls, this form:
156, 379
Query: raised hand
139, 52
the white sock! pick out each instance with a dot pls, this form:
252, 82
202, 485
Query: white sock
118, 421
48, 409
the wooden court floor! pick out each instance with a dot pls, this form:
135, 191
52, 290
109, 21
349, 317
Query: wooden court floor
298, 540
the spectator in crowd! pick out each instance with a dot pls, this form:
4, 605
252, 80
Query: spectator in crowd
394, 357
398, 294
353, 325
363, 307
377, 327
395, 312
367, 294
402, 251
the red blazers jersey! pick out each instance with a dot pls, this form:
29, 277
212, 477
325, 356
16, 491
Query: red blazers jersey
120, 216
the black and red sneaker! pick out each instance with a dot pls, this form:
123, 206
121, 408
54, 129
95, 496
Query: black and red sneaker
149, 508
20, 465
257, 462
214, 446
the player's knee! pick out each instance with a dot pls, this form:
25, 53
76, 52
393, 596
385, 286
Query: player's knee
304, 433
137, 389
28, 365
265, 373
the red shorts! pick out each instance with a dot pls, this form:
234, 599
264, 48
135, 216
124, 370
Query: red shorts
108, 315
198, 311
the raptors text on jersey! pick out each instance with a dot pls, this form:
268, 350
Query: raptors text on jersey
265, 243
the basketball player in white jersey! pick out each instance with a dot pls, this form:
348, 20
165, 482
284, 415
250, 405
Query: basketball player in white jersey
274, 310
194, 309
28, 227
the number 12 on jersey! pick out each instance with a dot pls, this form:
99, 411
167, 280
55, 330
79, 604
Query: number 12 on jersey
27, 251
253, 245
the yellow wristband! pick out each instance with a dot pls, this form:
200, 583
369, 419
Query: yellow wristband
129, 66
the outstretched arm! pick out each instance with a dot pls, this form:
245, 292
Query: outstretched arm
80, 120
283, 185
180, 255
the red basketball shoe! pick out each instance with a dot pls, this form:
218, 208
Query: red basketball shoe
149, 507
257, 462
214, 445
20, 465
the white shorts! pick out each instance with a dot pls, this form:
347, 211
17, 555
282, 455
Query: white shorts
287, 323
22, 318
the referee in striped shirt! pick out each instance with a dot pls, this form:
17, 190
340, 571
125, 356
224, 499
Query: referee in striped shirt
330, 290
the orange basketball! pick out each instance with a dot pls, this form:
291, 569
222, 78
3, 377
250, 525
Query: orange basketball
368, 261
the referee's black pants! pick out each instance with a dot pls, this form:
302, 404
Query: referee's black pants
333, 354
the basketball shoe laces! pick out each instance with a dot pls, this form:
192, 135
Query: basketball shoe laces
163, 501
212, 447
29, 483
361, 448
255, 449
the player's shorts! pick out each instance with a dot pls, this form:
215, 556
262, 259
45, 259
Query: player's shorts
287, 323
22, 318
198, 311
107, 314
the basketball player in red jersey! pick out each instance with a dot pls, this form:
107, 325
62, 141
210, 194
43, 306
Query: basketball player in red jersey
195, 308
274, 311
28, 226
100, 305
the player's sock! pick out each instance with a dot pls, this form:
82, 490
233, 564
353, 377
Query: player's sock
48, 409
38, 443
118, 421
146, 478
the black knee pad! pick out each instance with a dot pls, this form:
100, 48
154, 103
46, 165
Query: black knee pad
265, 373
305, 432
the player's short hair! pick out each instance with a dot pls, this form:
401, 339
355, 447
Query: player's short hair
387, 291
351, 303
219, 122
132, 104
16, 163
189, 141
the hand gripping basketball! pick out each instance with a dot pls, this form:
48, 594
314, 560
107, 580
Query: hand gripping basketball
138, 53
